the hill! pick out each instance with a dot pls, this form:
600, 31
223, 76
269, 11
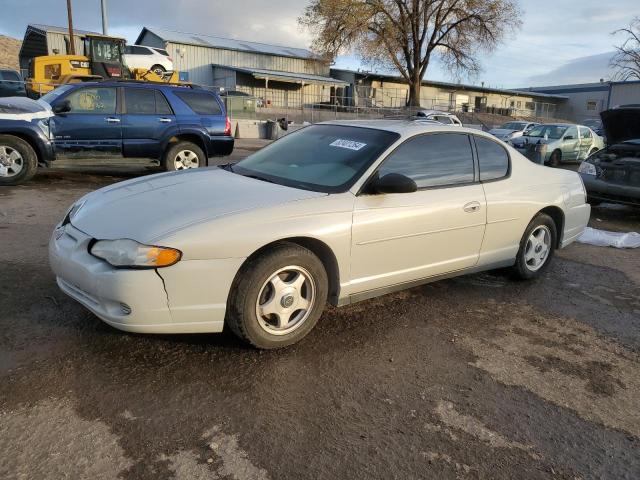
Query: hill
9, 49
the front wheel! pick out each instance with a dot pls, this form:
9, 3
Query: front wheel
278, 297
536, 247
184, 156
555, 159
18, 160
158, 70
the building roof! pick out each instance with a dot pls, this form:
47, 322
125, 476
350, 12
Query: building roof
211, 41
458, 86
284, 76
62, 30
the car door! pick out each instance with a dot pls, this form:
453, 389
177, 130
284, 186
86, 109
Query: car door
92, 125
570, 144
586, 142
147, 119
398, 238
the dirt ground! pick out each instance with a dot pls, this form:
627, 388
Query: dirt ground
475, 377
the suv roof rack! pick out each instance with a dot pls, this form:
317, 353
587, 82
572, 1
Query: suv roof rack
145, 82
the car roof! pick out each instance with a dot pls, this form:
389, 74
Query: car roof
141, 84
404, 127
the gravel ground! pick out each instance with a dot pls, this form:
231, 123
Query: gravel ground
475, 377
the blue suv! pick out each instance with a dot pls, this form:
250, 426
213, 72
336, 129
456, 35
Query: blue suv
179, 126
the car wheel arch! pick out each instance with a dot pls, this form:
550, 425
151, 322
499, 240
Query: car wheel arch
33, 143
186, 137
319, 248
557, 215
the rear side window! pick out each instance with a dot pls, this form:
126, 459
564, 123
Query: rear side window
493, 159
162, 52
8, 75
433, 160
201, 103
146, 101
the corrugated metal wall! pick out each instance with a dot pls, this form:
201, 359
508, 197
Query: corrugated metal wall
198, 60
58, 41
625, 94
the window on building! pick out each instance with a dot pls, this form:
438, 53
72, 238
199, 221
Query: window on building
433, 160
530, 105
493, 158
592, 105
519, 104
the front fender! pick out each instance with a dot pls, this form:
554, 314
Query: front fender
32, 134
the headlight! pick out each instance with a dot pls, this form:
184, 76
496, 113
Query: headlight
587, 168
129, 253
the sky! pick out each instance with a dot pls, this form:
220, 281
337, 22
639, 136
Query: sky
561, 41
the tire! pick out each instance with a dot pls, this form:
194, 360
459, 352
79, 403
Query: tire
18, 160
255, 294
184, 156
555, 159
158, 70
526, 267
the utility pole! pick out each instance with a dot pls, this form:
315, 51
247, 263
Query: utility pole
105, 23
72, 43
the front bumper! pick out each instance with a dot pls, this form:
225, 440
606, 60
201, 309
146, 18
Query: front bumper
603, 190
189, 297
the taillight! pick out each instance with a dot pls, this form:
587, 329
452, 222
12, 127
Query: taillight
227, 127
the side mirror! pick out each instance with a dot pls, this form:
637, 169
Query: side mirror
62, 107
569, 137
394, 183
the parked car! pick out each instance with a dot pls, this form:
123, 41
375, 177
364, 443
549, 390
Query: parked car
510, 130
613, 174
558, 143
149, 58
178, 126
445, 118
337, 212
11, 84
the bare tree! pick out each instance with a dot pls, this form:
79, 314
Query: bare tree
404, 34
626, 61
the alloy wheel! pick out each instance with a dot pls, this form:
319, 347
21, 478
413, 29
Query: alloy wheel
538, 248
11, 161
186, 159
285, 300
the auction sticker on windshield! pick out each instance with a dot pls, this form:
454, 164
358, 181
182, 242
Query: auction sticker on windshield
350, 144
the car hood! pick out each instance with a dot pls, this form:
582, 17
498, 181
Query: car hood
621, 124
149, 208
501, 131
535, 140
23, 108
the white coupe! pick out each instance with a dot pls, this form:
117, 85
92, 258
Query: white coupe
337, 212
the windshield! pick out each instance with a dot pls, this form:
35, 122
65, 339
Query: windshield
53, 94
513, 126
548, 131
322, 158
105, 51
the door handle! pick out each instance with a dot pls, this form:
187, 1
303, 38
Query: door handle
164, 120
112, 120
472, 207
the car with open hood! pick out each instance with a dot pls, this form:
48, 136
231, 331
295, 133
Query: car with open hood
336, 212
510, 130
555, 143
613, 174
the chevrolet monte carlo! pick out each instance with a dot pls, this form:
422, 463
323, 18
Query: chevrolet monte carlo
337, 212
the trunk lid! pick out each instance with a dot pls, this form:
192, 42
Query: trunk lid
621, 124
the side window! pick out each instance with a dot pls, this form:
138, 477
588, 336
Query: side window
433, 160
140, 101
585, 133
493, 159
99, 100
202, 103
162, 106
571, 132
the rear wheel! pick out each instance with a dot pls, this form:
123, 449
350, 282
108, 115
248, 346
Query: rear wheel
555, 158
158, 70
18, 160
278, 297
536, 247
184, 156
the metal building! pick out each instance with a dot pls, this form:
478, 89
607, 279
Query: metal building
381, 90
585, 101
281, 76
42, 40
